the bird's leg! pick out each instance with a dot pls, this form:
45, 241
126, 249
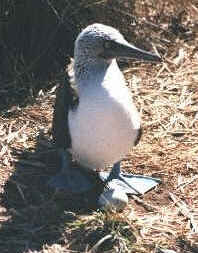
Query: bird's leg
132, 184
115, 172
72, 180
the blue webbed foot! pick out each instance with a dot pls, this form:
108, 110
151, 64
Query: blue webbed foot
129, 183
71, 180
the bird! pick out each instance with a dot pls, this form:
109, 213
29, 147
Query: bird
97, 123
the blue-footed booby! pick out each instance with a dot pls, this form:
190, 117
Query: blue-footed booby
103, 124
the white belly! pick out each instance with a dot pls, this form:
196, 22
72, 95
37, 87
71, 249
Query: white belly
105, 124
103, 128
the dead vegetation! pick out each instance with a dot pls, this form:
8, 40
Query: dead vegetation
36, 219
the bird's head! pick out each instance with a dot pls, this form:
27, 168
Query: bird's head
99, 41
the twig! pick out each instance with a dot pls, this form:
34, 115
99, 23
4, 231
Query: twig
101, 241
185, 211
54, 11
187, 183
147, 206
20, 191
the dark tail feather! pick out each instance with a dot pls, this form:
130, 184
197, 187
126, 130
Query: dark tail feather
66, 98
140, 132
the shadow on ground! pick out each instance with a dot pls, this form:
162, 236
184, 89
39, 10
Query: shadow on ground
39, 215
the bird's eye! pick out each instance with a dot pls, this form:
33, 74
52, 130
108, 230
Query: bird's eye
107, 44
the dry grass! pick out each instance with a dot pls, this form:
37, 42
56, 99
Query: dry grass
36, 219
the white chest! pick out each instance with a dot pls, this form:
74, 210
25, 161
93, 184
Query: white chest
104, 126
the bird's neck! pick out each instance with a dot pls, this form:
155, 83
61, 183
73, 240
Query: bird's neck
85, 68
98, 78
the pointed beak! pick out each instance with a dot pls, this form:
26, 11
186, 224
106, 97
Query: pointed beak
126, 50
